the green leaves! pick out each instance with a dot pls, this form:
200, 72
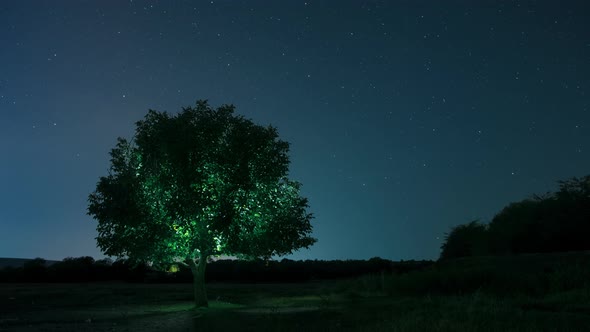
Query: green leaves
201, 181
272, 220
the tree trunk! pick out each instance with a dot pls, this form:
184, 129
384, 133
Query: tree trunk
198, 271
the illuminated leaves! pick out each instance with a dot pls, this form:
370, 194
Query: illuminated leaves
203, 181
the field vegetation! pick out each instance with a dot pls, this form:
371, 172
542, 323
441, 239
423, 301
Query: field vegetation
536, 292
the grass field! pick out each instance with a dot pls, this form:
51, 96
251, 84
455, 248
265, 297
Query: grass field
459, 296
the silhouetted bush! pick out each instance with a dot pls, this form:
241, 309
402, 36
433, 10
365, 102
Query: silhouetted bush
71, 269
466, 240
500, 276
554, 222
35, 270
85, 269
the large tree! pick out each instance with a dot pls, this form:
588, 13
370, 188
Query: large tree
200, 183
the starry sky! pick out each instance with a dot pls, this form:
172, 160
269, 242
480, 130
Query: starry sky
405, 118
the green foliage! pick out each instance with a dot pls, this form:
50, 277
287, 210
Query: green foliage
199, 183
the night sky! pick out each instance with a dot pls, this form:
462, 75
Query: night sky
405, 118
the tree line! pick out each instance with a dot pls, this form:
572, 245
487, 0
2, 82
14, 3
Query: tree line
553, 222
86, 269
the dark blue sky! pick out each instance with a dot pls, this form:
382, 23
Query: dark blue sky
405, 117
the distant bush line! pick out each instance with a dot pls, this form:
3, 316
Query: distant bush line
563, 274
86, 269
553, 222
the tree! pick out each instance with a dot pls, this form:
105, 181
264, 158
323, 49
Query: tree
574, 189
515, 229
465, 240
200, 183
572, 215
551, 222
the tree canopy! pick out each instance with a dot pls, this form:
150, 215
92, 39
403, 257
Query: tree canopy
199, 183
553, 222
464, 240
